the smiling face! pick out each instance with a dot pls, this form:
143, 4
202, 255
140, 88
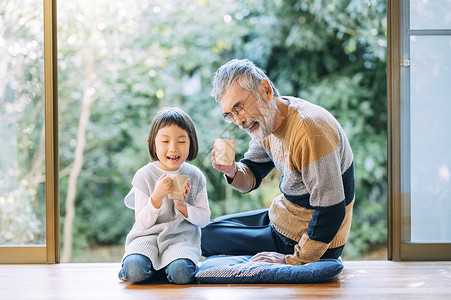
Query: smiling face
257, 117
172, 146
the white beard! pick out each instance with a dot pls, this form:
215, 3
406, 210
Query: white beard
265, 122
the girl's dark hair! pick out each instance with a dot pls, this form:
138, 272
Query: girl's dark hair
173, 116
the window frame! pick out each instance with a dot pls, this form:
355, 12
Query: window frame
398, 108
48, 253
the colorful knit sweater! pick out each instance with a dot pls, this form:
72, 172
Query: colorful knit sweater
165, 234
313, 155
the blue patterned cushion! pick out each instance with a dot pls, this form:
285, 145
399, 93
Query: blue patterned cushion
238, 269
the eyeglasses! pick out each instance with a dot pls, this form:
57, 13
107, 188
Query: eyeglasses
236, 111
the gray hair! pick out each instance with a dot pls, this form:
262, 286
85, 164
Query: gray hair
242, 71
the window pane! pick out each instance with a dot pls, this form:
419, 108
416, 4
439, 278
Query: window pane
432, 14
22, 194
430, 91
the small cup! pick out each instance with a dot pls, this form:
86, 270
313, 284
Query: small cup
225, 151
179, 182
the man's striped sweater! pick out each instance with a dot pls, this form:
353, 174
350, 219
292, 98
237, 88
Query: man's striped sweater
313, 155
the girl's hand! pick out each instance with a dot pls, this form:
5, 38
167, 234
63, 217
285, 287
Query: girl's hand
163, 187
187, 189
180, 204
230, 171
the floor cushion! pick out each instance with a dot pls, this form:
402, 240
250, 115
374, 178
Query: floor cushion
238, 269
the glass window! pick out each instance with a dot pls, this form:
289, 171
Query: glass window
430, 123
432, 14
22, 178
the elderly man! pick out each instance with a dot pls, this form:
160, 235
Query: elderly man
311, 218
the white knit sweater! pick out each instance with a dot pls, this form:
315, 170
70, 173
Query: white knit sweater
164, 234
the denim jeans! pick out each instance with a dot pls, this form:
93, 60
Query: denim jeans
138, 268
248, 233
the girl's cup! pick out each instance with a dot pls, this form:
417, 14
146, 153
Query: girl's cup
179, 182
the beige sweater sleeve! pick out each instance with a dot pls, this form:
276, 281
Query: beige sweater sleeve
306, 251
244, 180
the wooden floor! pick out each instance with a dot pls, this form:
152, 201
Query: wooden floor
359, 280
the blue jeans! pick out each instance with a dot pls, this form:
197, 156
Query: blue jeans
138, 268
248, 233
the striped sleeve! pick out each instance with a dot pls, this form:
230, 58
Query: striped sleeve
258, 161
319, 160
251, 170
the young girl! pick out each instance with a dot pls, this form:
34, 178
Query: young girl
166, 233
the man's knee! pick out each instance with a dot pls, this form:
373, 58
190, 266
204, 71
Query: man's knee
208, 239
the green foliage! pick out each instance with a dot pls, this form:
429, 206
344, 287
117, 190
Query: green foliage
328, 52
21, 124
19, 224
